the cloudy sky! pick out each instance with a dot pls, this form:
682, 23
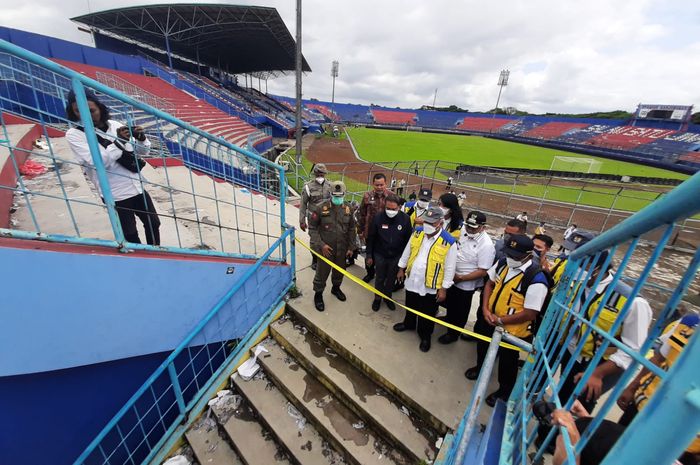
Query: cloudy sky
564, 56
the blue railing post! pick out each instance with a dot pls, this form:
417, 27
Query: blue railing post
176, 387
91, 137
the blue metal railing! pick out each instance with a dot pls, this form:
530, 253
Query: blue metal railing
198, 215
146, 422
671, 417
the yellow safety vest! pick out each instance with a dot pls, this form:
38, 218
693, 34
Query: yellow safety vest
508, 299
436, 256
605, 321
558, 269
650, 382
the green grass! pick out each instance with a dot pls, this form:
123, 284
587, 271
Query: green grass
376, 145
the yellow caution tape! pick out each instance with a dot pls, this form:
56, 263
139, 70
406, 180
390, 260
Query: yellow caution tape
357, 280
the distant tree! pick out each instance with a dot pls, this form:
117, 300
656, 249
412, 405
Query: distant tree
695, 118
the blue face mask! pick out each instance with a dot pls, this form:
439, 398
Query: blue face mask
337, 200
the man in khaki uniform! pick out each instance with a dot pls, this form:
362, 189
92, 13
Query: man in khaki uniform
333, 235
313, 193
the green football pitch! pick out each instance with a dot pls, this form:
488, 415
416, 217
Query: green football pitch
377, 145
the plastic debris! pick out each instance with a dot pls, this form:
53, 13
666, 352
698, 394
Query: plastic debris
177, 460
294, 413
405, 411
31, 168
330, 352
438, 443
359, 425
250, 367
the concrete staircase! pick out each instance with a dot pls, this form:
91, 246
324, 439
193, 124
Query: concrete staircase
310, 405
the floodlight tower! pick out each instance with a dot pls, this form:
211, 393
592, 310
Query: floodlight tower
334, 74
502, 82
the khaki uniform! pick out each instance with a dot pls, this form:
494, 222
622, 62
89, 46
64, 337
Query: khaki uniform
334, 226
312, 194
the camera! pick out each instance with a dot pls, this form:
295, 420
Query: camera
542, 410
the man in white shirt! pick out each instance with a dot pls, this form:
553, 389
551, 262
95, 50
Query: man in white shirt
475, 253
633, 332
512, 298
428, 266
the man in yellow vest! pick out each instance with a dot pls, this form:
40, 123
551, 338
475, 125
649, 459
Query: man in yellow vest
512, 298
428, 266
573, 242
640, 390
632, 332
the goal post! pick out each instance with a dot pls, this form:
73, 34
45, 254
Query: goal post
575, 164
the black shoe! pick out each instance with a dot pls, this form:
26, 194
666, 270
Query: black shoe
318, 302
400, 327
424, 345
447, 338
368, 277
338, 293
390, 305
313, 266
375, 305
493, 398
472, 373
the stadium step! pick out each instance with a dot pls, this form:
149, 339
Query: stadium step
359, 393
208, 446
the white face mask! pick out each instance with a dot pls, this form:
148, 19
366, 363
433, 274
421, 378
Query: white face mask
567, 251
391, 213
513, 263
422, 204
429, 229
445, 211
473, 235
320, 179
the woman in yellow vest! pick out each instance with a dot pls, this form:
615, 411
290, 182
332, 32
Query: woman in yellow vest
428, 266
512, 297
454, 218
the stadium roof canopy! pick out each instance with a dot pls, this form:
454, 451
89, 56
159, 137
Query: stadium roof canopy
238, 39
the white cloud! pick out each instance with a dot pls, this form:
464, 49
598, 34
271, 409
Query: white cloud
563, 56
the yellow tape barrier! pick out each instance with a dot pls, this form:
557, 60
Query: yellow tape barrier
357, 280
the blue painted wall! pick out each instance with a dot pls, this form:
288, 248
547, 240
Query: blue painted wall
81, 332
63, 310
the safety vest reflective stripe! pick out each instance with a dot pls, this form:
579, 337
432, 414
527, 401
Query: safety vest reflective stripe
435, 270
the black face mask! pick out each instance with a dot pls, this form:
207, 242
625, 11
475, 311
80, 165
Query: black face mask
506, 237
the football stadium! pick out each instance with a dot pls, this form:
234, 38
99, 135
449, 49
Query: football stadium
506, 287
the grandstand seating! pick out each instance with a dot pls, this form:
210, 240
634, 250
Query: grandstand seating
185, 106
627, 137
552, 130
483, 124
438, 119
393, 117
324, 110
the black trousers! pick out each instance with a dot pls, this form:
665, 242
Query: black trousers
507, 361
140, 206
425, 304
458, 304
386, 269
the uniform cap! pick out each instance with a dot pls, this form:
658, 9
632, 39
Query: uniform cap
577, 239
433, 214
425, 194
518, 246
320, 168
337, 188
475, 219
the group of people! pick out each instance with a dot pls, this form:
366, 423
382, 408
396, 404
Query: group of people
443, 258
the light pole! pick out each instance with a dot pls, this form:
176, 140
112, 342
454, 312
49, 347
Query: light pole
334, 74
299, 62
502, 82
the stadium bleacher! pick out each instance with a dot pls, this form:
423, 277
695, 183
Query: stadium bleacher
393, 117
484, 124
627, 137
552, 130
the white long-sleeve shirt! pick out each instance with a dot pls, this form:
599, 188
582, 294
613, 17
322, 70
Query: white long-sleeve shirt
415, 282
124, 183
635, 326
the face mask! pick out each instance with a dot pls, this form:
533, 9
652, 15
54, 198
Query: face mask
337, 200
513, 263
422, 204
429, 229
445, 211
536, 253
473, 235
391, 213
567, 251
320, 179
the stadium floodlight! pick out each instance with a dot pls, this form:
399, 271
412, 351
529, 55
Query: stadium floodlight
298, 70
502, 82
334, 74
